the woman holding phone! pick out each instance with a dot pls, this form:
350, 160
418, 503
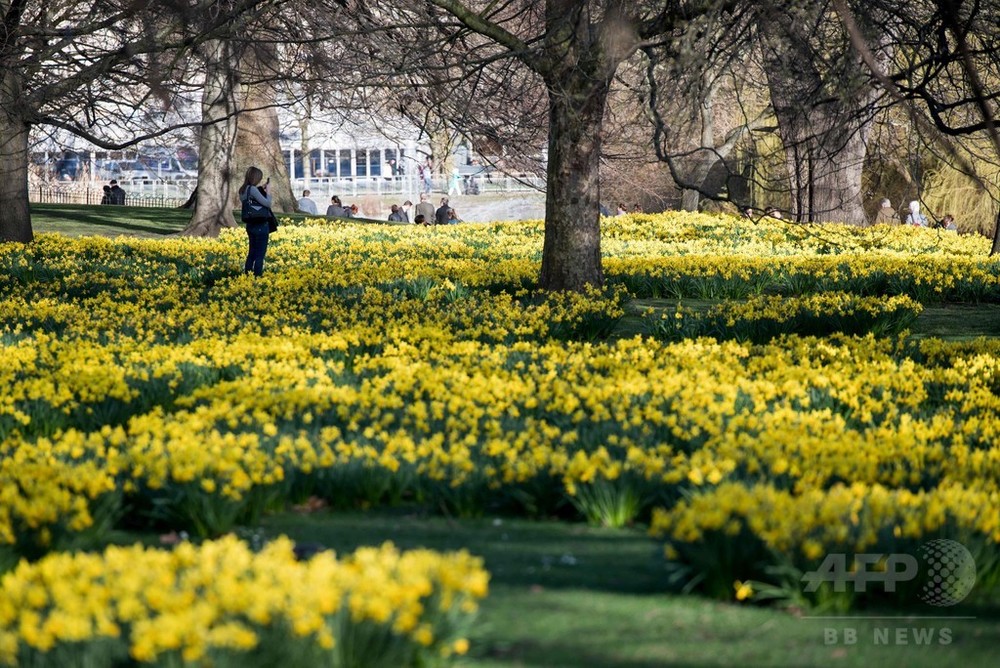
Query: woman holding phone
258, 231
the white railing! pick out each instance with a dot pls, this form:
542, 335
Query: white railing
326, 187
147, 192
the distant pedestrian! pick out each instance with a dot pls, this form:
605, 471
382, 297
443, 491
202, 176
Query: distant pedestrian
455, 184
621, 209
427, 174
453, 218
916, 218
337, 209
774, 212
106, 199
420, 220
306, 204
948, 223
405, 210
424, 208
441, 215
397, 215
886, 214
116, 194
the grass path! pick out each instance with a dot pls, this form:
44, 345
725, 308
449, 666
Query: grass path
567, 595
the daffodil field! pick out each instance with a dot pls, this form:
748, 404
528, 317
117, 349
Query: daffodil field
150, 385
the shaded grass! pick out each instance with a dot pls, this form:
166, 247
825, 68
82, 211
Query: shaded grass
952, 322
77, 220
80, 220
565, 594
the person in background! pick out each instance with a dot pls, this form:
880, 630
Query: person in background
886, 214
353, 211
916, 218
427, 174
117, 194
774, 212
106, 199
257, 231
948, 223
405, 210
621, 209
637, 208
397, 215
425, 208
306, 204
441, 215
337, 208
420, 220
453, 218
455, 183
748, 212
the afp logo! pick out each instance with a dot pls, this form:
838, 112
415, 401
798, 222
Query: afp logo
946, 569
951, 572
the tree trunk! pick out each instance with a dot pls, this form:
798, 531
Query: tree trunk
258, 139
571, 256
216, 196
706, 158
690, 199
823, 117
305, 148
995, 248
15, 221
441, 145
257, 144
835, 189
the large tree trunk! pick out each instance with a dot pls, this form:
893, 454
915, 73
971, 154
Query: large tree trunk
571, 256
823, 116
258, 141
577, 65
257, 144
216, 196
706, 158
15, 219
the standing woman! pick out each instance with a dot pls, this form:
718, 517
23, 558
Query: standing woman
257, 230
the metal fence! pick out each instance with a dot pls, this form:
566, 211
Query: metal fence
76, 194
167, 194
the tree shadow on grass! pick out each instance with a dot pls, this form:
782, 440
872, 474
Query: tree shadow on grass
87, 219
517, 552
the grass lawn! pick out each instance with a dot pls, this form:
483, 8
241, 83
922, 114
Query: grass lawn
564, 594
78, 220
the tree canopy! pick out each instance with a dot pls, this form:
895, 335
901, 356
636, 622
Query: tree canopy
691, 83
